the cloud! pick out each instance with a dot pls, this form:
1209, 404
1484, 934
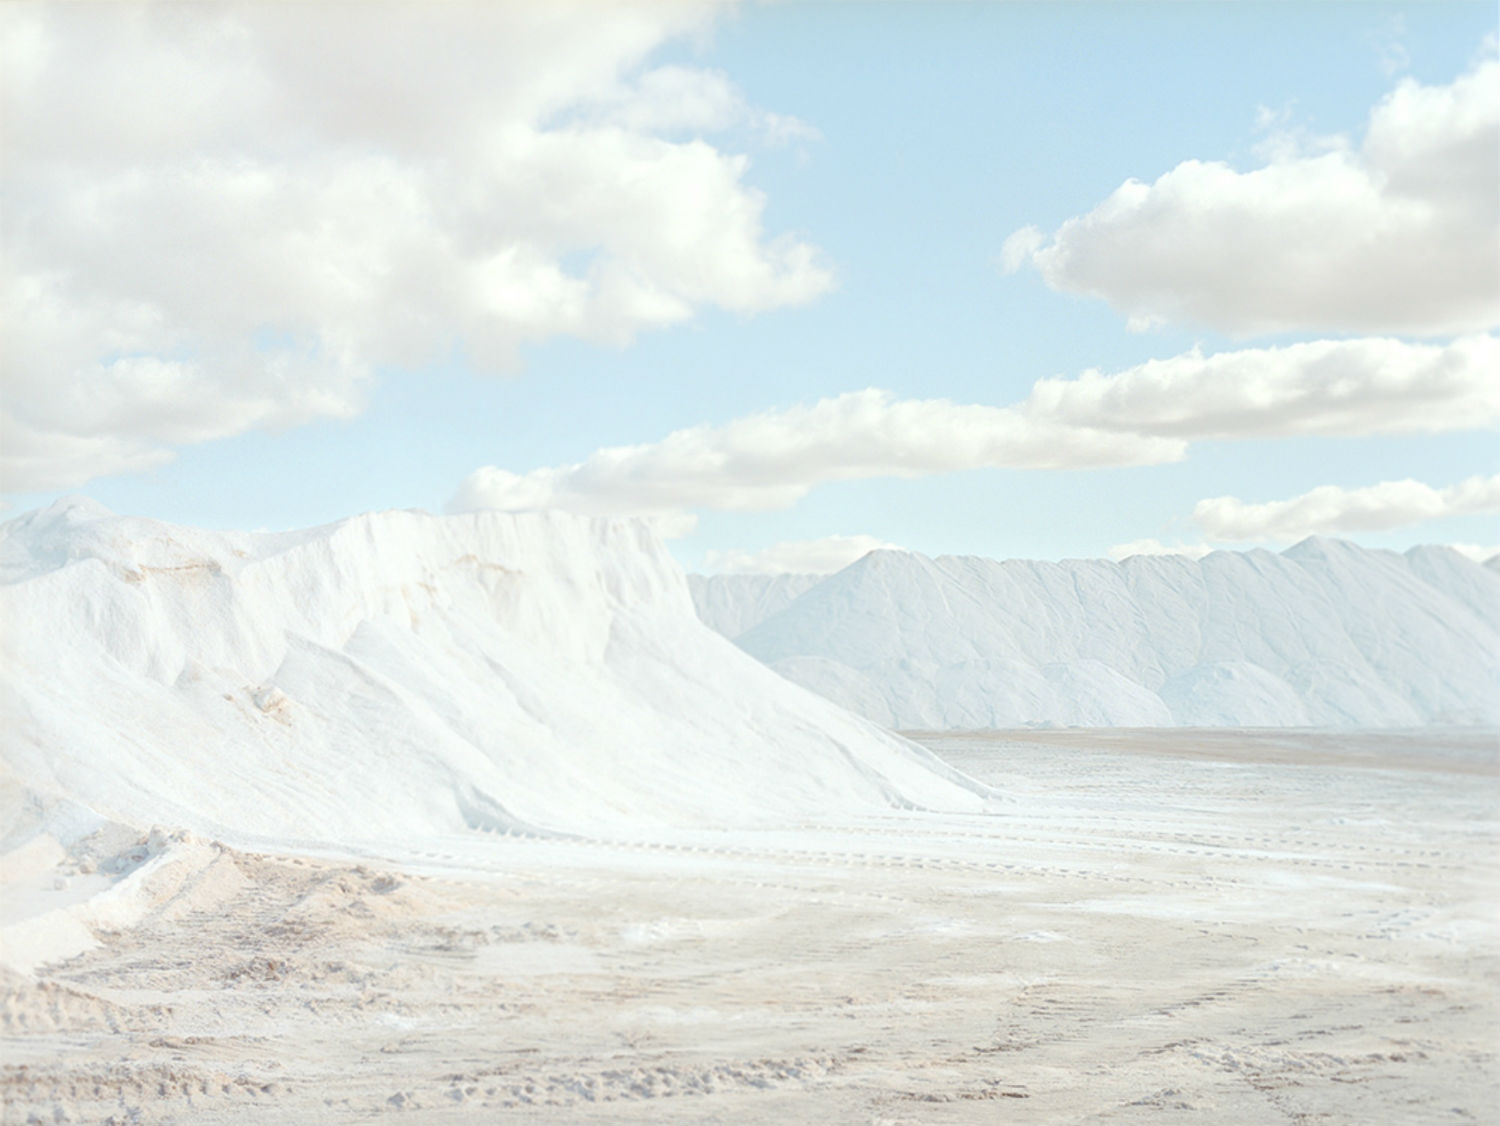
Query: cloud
803, 557
1155, 547
680, 99
1388, 40
772, 459
1145, 415
1330, 510
221, 217
1325, 387
1479, 553
1397, 235
1017, 250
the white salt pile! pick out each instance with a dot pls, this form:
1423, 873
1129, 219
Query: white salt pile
401, 674
1325, 634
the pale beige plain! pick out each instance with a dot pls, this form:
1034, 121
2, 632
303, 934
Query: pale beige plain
1163, 927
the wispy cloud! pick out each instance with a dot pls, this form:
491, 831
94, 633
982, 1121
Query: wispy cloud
1330, 387
1388, 40
1156, 547
1144, 415
692, 101
1480, 553
1331, 510
771, 460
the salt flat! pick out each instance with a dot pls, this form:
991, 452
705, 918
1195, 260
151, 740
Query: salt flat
1180, 926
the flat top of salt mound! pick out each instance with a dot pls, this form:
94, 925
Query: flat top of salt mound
401, 673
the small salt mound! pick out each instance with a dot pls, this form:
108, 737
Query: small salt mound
402, 674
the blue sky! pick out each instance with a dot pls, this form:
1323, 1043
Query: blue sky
894, 148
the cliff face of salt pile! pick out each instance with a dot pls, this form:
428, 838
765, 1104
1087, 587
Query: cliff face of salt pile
1323, 634
402, 674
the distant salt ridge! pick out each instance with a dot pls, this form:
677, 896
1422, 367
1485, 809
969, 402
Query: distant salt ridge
1323, 634
732, 604
401, 674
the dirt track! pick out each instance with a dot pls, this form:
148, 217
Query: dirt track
1245, 927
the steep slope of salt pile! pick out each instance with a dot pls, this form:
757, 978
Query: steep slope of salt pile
1323, 634
403, 674
732, 604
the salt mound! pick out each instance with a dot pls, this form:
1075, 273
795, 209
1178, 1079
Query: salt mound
731, 604
402, 674
1323, 634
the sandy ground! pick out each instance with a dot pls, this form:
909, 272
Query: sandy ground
1165, 927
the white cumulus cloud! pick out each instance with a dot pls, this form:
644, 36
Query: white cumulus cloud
1394, 235
1331, 510
801, 557
1156, 547
1479, 553
224, 216
1345, 388
1144, 415
771, 460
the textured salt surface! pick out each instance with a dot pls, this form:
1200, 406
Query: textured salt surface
398, 675
1325, 634
240, 877
1163, 927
